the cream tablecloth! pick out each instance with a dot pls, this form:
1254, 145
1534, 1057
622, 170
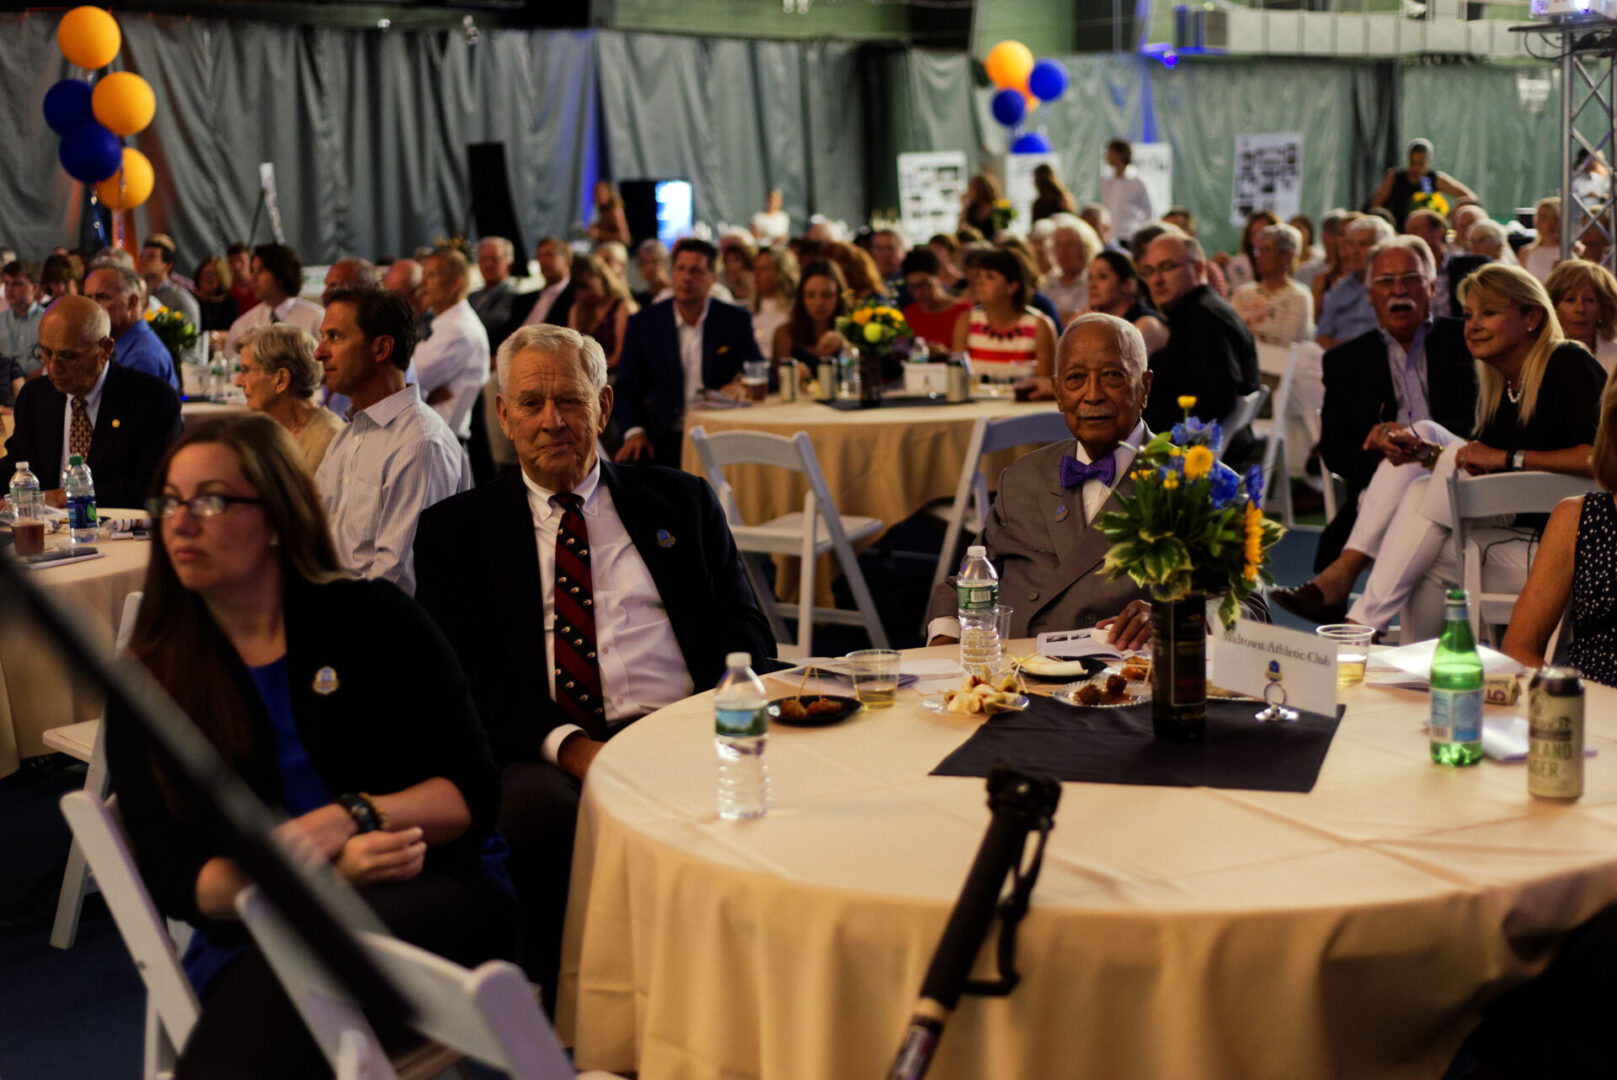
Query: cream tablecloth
37, 690
884, 463
1350, 932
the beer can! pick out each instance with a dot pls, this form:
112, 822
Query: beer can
788, 380
828, 381
1555, 734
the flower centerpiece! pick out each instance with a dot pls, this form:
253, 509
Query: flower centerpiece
175, 331
1192, 527
879, 334
1429, 200
1002, 214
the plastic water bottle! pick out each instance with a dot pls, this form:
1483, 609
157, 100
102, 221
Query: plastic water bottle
1456, 725
27, 499
977, 594
741, 731
80, 500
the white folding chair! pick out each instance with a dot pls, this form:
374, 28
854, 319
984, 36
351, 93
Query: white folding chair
1246, 410
970, 507
488, 1013
85, 742
1555, 650
171, 1004
818, 529
1480, 497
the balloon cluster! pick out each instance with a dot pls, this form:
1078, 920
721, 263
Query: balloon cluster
91, 120
1023, 85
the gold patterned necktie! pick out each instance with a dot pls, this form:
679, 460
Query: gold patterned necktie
79, 433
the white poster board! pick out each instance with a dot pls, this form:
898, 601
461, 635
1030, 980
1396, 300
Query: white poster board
1268, 175
1019, 185
929, 187
1153, 163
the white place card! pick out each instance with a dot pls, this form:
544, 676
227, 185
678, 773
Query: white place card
1250, 657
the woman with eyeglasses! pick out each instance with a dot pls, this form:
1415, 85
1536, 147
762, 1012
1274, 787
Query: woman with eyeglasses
296, 675
1537, 409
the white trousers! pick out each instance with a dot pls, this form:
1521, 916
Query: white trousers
1403, 525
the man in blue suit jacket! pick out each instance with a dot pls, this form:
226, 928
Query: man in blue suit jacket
674, 350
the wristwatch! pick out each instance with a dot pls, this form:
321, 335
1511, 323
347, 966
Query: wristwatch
1515, 461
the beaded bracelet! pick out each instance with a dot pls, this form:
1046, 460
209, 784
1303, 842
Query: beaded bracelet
362, 810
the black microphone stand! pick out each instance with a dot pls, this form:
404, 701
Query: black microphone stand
1021, 803
319, 906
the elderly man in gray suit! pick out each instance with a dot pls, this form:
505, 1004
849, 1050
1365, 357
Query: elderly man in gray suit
1041, 533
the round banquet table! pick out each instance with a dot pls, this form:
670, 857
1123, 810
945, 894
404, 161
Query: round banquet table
1175, 932
37, 688
884, 463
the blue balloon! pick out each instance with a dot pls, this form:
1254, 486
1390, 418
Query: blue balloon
1031, 143
1009, 107
90, 153
67, 105
1048, 80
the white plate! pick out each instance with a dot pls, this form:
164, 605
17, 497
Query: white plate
1138, 692
936, 703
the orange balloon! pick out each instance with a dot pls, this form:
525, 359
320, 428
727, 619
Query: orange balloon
1032, 100
123, 102
1009, 64
88, 37
131, 185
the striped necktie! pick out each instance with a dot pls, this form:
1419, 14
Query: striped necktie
578, 672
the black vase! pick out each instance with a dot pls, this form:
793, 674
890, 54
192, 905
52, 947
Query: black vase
870, 378
1179, 668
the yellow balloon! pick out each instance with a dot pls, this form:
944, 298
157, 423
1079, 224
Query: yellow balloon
123, 102
1009, 64
131, 185
88, 37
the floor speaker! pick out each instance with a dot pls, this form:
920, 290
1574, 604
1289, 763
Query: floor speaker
493, 211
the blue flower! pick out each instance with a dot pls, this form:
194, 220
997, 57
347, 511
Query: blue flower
1214, 435
1226, 485
1180, 435
1254, 485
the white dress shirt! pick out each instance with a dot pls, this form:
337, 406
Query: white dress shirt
293, 310
690, 350
455, 355
394, 460
92, 405
546, 301
632, 631
1128, 201
1094, 496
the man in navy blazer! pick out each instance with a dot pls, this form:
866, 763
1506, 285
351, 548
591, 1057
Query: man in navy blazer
133, 416
673, 351
666, 588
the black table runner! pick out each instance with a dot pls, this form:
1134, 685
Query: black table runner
1115, 746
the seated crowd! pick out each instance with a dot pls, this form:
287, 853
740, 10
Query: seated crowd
485, 481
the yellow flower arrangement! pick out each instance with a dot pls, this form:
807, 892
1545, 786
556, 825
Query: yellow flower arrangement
862, 316
1198, 462
1255, 542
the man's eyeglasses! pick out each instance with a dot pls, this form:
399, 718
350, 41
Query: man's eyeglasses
43, 356
1161, 268
1387, 281
162, 507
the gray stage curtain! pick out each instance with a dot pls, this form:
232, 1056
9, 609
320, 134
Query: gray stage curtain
918, 101
1107, 99
736, 118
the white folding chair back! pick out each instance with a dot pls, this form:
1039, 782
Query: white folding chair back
171, 1005
1246, 410
816, 530
488, 1012
970, 507
1277, 431
86, 742
1555, 650
1478, 497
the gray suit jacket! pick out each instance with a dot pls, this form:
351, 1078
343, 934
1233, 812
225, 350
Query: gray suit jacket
1049, 561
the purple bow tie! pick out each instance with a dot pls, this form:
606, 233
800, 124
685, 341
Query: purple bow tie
1075, 472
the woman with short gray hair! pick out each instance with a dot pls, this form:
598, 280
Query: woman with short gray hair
1276, 308
280, 377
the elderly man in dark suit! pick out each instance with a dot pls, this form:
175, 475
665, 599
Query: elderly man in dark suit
580, 595
675, 350
120, 419
1210, 353
1411, 367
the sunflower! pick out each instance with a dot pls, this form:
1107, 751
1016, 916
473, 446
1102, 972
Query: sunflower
1254, 542
1198, 462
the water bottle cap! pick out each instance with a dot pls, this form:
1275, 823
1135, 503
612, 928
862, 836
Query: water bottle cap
977, 551
21, 466
75, 459
738, 659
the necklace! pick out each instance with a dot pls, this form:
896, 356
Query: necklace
1515, 395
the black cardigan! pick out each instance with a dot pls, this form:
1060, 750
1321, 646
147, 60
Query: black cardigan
401, 713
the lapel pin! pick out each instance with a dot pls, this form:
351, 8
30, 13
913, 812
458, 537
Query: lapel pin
1061, 512
665, 539
722, 350
114, 421
325, 681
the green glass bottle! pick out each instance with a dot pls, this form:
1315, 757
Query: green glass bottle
1456, 727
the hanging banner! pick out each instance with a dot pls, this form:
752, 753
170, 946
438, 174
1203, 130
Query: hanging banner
1019, 185
929, 188
1268, 175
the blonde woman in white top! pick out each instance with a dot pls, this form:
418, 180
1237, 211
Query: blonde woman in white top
1539, 257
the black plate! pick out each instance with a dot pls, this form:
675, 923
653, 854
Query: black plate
849, 706
1092, 665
